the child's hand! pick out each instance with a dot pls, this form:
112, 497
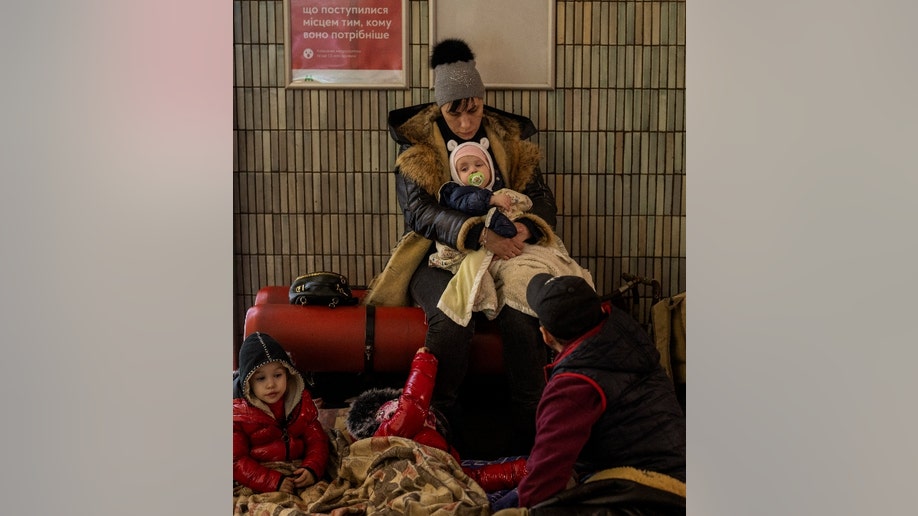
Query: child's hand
288, 486
502, 201
302, 477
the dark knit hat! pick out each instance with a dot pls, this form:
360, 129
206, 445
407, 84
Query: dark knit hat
455, 75
257, 350
567, 306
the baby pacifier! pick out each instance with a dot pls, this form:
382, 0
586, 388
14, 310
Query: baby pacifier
476, 179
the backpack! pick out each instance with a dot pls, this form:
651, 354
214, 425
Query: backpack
321, 288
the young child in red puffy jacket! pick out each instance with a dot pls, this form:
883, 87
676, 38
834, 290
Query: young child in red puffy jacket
406, 413
274, 420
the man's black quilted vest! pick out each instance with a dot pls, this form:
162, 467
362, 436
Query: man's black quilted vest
643, 425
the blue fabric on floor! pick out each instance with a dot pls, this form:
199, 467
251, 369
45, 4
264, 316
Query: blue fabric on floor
511, 498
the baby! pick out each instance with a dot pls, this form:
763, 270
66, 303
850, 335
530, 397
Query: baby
472, 170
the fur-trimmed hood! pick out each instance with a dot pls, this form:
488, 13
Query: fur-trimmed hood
426, 162
361, 419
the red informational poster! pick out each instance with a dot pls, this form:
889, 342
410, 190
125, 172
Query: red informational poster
350, 42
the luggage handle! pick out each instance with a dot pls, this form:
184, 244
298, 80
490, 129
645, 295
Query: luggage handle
369, 344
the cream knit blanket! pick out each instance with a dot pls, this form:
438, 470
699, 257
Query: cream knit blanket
483, 284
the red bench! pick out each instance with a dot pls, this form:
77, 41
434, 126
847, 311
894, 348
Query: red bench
355, 339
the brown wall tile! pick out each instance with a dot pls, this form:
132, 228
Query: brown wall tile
313, 187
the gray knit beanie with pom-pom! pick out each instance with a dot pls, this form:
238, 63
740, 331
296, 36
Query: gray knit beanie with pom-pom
455, 75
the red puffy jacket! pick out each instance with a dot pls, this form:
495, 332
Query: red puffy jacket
412, 418
258, 437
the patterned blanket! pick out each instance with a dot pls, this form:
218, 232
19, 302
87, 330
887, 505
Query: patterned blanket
380, 475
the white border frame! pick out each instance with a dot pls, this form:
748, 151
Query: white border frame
492, 29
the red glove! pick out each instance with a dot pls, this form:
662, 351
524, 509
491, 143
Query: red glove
500, 476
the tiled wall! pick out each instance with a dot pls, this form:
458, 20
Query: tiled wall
313, 182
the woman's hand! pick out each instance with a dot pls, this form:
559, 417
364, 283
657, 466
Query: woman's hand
522, 232
503, 248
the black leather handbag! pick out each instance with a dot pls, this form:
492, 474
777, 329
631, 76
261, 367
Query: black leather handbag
321, 288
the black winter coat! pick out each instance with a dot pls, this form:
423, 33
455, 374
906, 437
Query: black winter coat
423, 168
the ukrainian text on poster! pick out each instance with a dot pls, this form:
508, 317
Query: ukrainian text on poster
347, 41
